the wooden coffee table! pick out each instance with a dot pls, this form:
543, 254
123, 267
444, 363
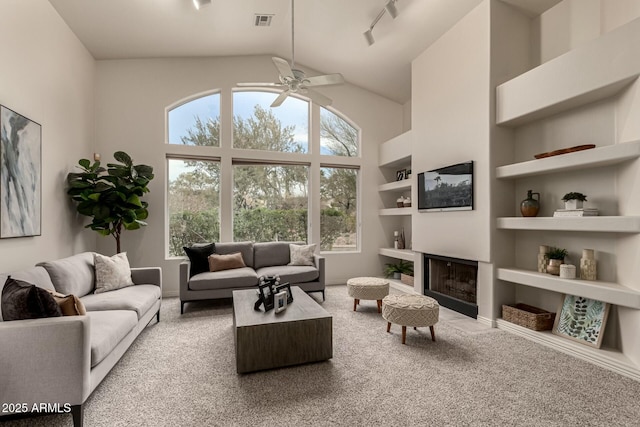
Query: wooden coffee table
300, 334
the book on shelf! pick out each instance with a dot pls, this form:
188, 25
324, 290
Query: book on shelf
576, 212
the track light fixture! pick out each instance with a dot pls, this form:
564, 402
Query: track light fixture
389, 8
199, 3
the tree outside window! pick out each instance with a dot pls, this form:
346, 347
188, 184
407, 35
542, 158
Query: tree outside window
338, 215
196, 122
337, 136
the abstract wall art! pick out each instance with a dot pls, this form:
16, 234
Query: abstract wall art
20, 175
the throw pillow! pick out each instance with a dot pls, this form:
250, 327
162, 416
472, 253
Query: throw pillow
112, 272
22, 300
70, 305
219, 262
199, 257
301, 254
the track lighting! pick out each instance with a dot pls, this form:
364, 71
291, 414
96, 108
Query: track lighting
389, 8
199, 3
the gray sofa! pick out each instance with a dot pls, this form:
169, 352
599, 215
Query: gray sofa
61, 360
261, 259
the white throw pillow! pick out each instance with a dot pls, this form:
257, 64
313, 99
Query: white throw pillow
112, 272
301, 254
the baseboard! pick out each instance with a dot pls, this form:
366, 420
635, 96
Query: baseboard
610, 359
487, 322
170, 294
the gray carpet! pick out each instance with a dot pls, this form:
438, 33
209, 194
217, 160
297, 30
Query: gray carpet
181, 372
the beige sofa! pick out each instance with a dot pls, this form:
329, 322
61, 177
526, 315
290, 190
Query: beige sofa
61, 360
261, 259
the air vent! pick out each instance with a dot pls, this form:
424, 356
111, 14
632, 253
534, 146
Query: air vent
262, 20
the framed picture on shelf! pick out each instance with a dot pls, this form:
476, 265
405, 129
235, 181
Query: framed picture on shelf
400, 175
287, 288
280, 301
581, 319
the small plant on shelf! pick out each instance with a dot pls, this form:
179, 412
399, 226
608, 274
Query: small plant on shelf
557, 253
395, 270
556, 257
573, 200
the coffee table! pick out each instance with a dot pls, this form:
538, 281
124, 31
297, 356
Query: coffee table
300, 334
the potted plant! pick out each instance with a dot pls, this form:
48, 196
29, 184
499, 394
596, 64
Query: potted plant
556, 257
396, 270
112, 196
573, 200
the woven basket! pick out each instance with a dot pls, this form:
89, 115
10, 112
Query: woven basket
528, 316
406, 279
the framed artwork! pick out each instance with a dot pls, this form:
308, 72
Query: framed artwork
20, 175
287, 288
280, 301
401, 174
266, 296
581, 319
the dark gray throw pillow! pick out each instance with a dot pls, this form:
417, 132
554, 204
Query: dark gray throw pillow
199, 256
22, 300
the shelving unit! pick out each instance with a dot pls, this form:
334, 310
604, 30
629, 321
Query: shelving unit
394, 211
404, 254
606, 224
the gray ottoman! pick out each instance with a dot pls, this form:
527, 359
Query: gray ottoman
410, 310
372, 288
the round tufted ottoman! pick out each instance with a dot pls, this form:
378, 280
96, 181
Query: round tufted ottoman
367, 288
410, 310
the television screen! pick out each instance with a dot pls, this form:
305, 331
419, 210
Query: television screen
446, 189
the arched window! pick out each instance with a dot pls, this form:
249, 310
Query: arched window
196, 122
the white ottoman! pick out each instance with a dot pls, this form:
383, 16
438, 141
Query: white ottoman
410, 310
372, 288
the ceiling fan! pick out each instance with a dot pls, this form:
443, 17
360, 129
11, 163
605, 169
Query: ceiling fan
293, 80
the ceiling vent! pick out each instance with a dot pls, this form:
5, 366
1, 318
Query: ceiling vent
262, 20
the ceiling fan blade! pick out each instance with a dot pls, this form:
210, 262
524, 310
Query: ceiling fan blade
328, 79
318, 98
283, 67
260, 84
280, 99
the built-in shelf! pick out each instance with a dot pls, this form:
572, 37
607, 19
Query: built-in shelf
402, 185
395, 211
612, 293
396, 151
603, 156
611, 359
405, 254
607, 224
398, 285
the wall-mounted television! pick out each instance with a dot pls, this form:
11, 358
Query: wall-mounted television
446, 189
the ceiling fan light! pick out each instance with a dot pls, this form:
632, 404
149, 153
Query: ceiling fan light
368, 35
392, 10
199, 3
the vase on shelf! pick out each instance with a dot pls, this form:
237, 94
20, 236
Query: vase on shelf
530, 206
543, 260
588, 265
553, 266
396, 240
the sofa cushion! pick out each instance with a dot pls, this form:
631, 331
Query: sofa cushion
219, 262
291, 273
138, 298
198, 257
237, 278
108, 328
302, 254
70, 305
23, 300
36, 275
266, 254
245, 248
72, 275
112, 272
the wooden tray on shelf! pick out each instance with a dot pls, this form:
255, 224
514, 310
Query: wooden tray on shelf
565, 151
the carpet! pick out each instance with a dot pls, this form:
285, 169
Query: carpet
181, 372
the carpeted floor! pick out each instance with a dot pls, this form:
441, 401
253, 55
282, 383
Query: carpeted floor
181, 372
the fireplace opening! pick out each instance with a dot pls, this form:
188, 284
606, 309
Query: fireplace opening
452, 282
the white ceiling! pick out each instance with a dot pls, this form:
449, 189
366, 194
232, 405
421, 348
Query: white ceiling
328, 33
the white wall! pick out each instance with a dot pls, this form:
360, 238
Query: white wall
48, 76
131, 97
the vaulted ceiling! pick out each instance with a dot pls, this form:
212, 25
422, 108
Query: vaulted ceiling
328, 33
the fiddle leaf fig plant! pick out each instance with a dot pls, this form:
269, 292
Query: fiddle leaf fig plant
112, 197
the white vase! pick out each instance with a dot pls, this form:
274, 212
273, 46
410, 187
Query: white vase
588, 265
573, 204
542, 258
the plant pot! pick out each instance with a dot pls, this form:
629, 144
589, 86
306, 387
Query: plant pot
573, 204
553, 267
396, 276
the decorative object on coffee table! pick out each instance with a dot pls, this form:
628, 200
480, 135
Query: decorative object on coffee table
285, 287
367, 288
588, 270
556, 257
573, 200
581, 319
543, 259
280, 301
530, 206
410, 310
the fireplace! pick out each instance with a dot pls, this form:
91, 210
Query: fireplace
452, 282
